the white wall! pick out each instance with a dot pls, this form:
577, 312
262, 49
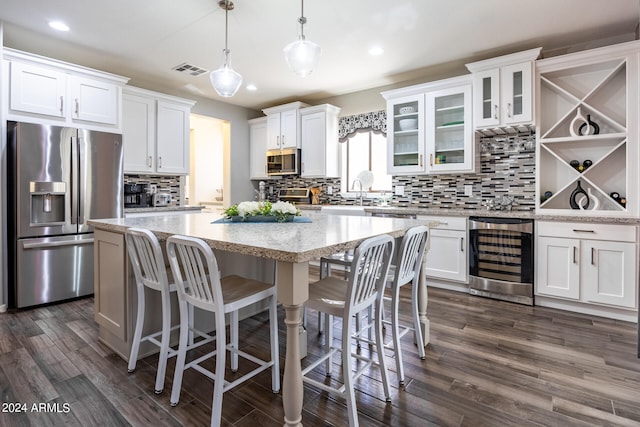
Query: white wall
207, 161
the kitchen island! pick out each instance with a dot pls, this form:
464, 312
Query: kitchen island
290, 245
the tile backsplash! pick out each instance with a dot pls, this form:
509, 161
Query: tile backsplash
506, 167
164, 184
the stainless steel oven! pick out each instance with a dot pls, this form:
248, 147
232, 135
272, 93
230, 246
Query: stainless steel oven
501, 258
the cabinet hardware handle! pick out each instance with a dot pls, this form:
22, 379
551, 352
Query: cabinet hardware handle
149, 161
61, 105
159, 162
430, 159
278, 141
302, 167
593, 256
77, 107
574, 254
462, 244
509, 109
577, 230
282, 141
495, 111
420, 160
442, 223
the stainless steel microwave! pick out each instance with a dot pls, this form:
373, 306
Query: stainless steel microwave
283, 162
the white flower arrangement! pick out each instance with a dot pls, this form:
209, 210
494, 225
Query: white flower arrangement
282, 211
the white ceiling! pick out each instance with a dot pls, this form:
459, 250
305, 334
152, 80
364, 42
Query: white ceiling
145, 39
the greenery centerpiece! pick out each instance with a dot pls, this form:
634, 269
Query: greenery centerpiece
262, 211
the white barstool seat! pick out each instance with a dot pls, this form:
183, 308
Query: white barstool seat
198, 282
363, 290
407, 270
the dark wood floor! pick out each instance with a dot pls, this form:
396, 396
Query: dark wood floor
489, 363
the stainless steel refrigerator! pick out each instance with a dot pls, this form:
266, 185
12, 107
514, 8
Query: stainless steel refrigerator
57, 179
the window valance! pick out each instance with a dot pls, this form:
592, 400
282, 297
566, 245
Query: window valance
376, 121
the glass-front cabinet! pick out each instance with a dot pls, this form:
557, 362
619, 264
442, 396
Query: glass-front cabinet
449, 134
405, 134
503, 89
429, 128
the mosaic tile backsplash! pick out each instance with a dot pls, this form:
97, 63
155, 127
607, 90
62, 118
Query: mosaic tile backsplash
506, 167
164, 184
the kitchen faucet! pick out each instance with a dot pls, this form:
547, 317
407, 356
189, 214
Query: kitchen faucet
353, 187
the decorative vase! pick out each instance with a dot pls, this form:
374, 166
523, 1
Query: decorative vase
577, 193
589, 127
577, 121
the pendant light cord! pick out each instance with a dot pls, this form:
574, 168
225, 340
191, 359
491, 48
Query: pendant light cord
302, 20
226, 26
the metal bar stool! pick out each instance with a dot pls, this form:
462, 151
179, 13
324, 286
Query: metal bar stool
363, 290
150, 271
198, 282
407, 270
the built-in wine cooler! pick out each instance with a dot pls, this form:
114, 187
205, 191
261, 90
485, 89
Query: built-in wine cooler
501, 258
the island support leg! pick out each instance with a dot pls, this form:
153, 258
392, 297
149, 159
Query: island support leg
293, 291
423, 299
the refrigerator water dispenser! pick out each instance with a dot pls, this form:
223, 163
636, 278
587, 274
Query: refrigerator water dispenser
47, 203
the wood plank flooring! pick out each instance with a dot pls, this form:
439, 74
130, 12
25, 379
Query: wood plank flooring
489, 363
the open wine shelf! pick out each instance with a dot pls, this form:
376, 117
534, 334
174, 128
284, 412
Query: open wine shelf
586, 153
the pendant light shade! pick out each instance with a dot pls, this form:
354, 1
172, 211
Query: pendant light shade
302, 55
225, 80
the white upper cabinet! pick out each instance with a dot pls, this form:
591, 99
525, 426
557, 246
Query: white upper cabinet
258, 148
429, 128
587, 132
319, 134
283, 125
155, 132
503, 90
92, 100
405, 133
449, 133
54, 92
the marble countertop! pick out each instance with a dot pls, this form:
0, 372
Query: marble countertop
490, 213
290, 242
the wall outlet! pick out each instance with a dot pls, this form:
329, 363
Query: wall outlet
399, 190
468, 190
329, 190
153, 188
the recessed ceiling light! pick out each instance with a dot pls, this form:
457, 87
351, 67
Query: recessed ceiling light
58, 25
376, 51
251, 87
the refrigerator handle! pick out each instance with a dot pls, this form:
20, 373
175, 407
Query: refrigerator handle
75, 179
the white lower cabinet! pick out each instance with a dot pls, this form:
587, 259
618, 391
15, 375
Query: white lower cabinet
447, 255
587, 263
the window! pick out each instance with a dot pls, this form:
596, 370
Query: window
365, 150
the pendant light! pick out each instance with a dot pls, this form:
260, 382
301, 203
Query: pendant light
302, 55
225, 80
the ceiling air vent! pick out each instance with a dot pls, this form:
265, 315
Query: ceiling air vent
191, 69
